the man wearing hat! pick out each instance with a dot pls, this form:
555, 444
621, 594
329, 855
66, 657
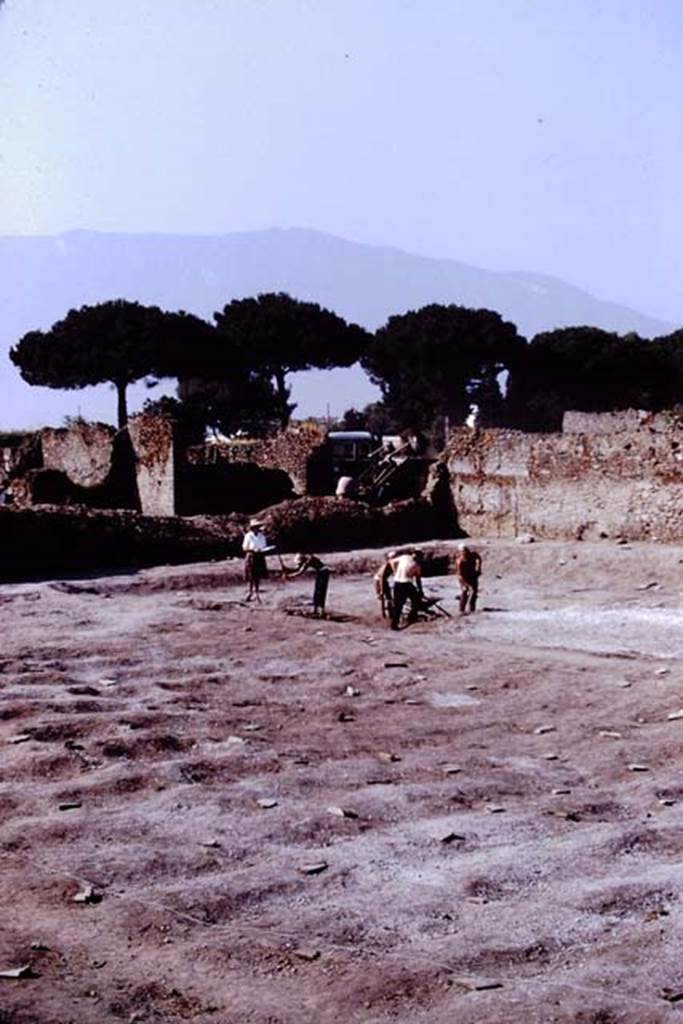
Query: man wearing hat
255, 547
468, 571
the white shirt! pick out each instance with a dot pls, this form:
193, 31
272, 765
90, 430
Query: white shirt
406, 569
254, 540
343, 485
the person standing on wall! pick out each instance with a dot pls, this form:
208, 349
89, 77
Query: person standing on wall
468, 571
255, 548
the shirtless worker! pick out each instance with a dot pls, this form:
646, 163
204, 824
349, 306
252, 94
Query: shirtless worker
407, 586
468, 571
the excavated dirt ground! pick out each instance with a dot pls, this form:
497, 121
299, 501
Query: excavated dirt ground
287, 821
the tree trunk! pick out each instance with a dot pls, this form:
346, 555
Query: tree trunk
122, 406
282, 396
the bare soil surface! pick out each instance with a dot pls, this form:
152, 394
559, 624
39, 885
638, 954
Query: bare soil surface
214, 811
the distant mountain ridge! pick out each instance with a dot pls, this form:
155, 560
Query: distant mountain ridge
42, 277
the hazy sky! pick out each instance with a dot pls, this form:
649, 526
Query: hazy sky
514, 134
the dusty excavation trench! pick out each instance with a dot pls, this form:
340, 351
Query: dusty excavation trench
221, 812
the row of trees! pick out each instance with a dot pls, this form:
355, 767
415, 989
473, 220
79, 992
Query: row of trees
429, 364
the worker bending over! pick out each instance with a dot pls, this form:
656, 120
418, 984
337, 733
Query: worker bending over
468, 571
382, 580
311, 563
407, 586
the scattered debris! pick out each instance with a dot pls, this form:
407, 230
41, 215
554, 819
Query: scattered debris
342, 812
88, 894
25, 971
306, 953
453, 837
266, 803
313, 867
655, 914
478, 984
671, 995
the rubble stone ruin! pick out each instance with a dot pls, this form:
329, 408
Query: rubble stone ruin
612, 475
606, 475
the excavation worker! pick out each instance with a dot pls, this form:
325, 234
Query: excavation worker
407, 587
311, 563
382, 581
468, 571
255, 547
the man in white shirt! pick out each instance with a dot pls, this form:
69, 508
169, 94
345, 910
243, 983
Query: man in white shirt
254, 547
407, 586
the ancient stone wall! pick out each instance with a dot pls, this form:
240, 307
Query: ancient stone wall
615, 422
600, 484
151, 438
294, 451
83, 452
94, 465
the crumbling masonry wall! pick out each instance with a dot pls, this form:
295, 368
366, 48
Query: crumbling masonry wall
293, 451
94, 465
151, 438
614, 483
83, 452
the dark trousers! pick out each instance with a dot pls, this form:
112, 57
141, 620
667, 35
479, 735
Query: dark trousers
404, 592
468, 595
322, 580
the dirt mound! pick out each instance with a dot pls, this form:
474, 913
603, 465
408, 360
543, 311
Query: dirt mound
50, 540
